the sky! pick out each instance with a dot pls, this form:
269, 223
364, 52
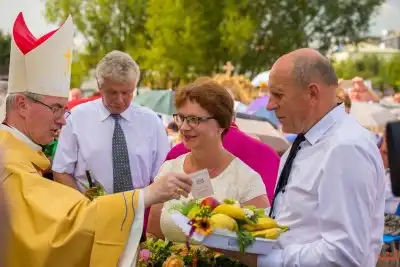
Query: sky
387, 18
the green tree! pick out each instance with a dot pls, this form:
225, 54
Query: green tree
284, 25
105, 25
5, 45
379, 70
391, 71
175, 41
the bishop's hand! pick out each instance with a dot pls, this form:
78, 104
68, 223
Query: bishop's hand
167, 187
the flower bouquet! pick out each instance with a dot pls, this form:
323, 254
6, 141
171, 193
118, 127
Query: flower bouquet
94, 189
227, 225
160, 253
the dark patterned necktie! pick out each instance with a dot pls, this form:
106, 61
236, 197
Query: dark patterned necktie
284, 177
120, 157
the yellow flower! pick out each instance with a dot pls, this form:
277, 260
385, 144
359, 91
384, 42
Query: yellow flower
202, 225
174, 261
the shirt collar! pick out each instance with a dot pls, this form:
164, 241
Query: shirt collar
319, 129
105, 113
19, 135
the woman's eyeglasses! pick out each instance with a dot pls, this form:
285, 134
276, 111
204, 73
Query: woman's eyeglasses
192, 121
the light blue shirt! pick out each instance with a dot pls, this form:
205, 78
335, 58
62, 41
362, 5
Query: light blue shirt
85, 143
335, 198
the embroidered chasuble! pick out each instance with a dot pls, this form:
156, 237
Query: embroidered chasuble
53, 225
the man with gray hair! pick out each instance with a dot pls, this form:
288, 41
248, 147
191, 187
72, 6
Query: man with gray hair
121, 145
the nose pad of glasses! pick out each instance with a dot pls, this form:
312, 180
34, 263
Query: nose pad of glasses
184, 125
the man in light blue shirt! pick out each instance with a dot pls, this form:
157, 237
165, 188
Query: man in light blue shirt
331, 188
118, 144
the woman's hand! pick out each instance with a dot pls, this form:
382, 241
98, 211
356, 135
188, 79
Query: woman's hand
167, 187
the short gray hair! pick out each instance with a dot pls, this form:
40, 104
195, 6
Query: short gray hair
11, 99
311, 69
117, 66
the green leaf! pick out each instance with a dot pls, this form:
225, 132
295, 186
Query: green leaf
245, 239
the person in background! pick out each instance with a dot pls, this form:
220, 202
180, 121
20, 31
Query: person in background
360, 92
204, 114
96, 129
391, 202
173, 133
396, 98
73, 103
257, 155
331, 191
120, 145
75, 94
52, 224
343, 97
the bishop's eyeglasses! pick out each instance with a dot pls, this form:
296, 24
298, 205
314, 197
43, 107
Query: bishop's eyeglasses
58, 111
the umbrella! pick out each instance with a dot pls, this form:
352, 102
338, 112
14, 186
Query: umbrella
261, 78
265, 132
257, 104
268, 114
371, 115
240, 107
160, 101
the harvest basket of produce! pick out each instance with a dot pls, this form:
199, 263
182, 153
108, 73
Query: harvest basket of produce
227, 225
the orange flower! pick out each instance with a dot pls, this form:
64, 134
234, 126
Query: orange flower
173, 261
263, 85
202, 225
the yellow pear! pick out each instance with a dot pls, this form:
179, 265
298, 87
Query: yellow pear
223, 221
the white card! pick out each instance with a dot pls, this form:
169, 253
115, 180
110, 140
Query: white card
201, 186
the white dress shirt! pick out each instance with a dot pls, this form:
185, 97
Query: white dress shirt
85, 143
335, 198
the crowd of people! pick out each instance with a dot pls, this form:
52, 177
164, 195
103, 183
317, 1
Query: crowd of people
330, 187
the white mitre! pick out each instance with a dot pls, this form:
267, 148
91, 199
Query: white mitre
41, 66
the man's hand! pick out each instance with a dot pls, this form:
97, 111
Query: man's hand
170, 186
